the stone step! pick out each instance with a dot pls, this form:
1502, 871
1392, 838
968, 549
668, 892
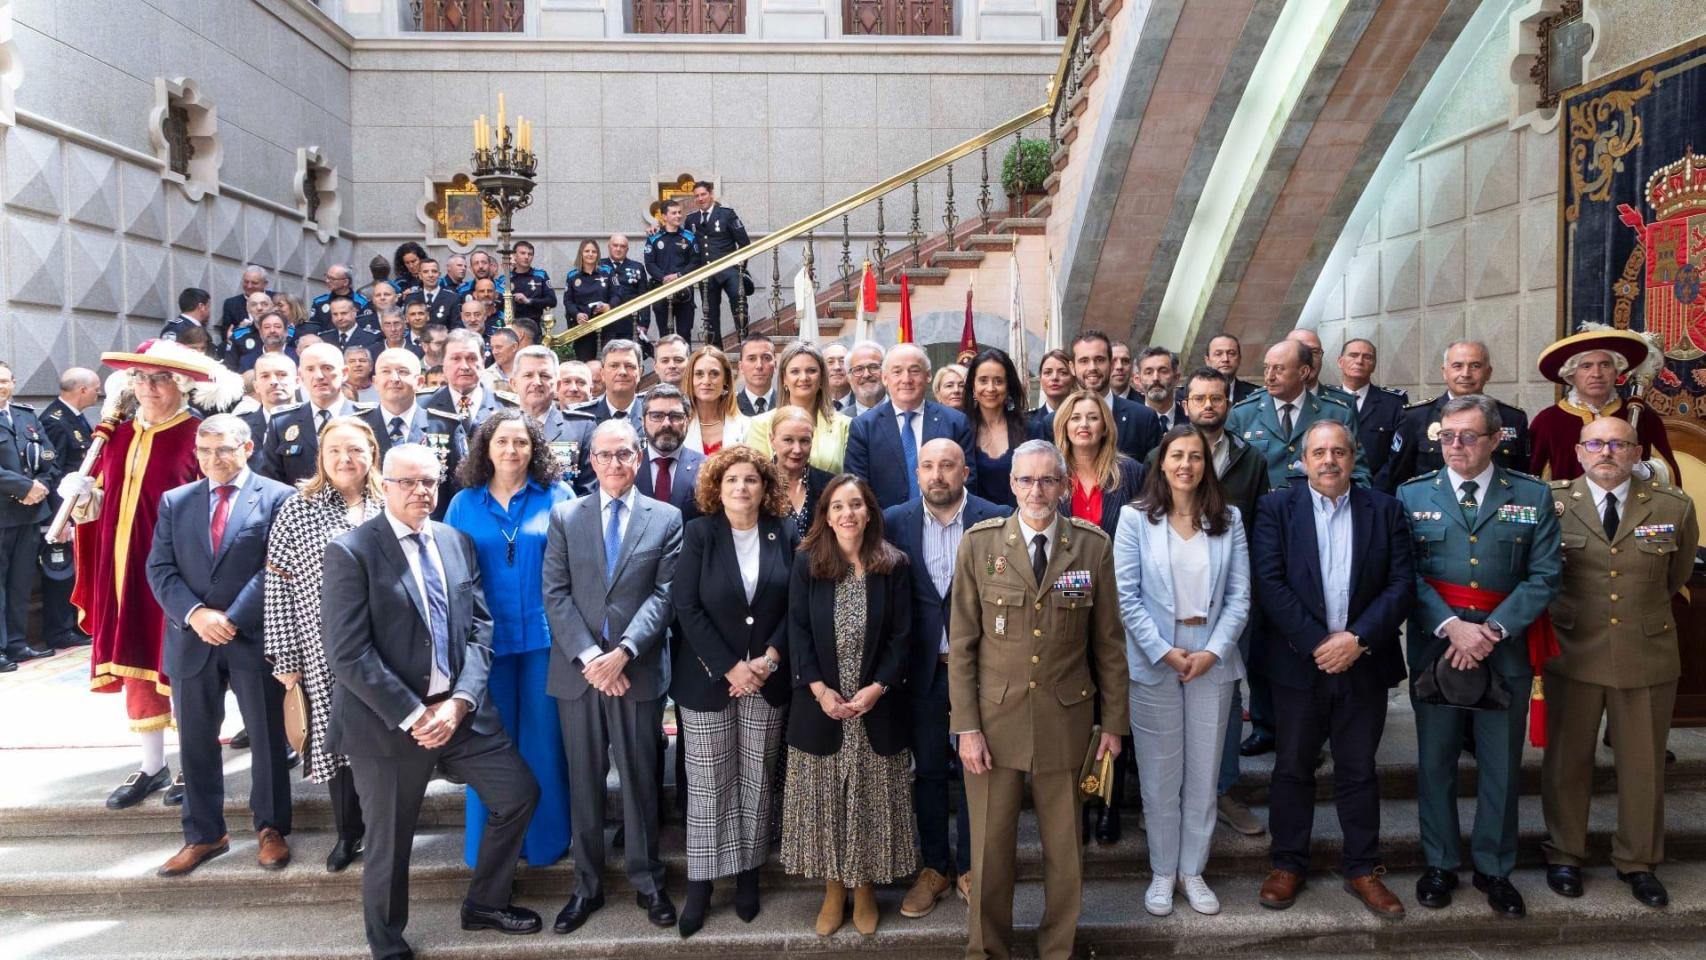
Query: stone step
957, 258
61, 873
992, 241
1325, 922
1024, 226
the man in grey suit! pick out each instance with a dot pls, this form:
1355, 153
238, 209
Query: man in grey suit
408, 638
609, 561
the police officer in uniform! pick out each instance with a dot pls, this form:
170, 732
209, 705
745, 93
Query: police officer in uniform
1274, 420
567, 432
400, 418
589, 293
292, 447
532, 288
631, 276
69, 432
442, 303
670, 253
1035, 644
720, 233
1487, 566
29, 471
1465, 368
338, 284
1379, 410
1628, 547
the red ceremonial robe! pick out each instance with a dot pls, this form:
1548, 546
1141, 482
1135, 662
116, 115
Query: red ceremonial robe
114, 602
1554, 431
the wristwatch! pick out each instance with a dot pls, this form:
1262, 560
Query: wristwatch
1362, 648
770, 664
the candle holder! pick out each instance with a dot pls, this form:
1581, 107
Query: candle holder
504, 168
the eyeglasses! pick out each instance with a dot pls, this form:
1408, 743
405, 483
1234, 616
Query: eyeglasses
1203, 399
1463, 438
411, 484
626, 455
1615, 446
158, 378
1046, 482
863, 368
666, 417
221, 452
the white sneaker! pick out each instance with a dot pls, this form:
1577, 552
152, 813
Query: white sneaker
1159, 900
1201, 897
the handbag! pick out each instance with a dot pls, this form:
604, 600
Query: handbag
1096, 777
296, 716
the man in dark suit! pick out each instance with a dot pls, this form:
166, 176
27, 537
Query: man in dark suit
1137, 428
234, 311
29, 472
1466, 366
1379, 410
207, 568
567, 432
398, 418
608, 564
1225, 353
292, 448
462, 393
758, 388
620, 364
409, 642
1331, 565
668, 471
69, 432
883, 443
194, 309
442, 304
929, 528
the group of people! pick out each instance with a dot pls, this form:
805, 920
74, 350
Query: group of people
880, 602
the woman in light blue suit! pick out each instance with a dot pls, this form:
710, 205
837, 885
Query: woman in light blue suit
1183, 569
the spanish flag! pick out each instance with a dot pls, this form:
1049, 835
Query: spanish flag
905, 312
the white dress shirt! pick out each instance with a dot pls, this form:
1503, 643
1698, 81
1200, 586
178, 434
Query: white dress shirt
917, 423
594, 651
1192, 577
1030, 535
1360, 396
1296, 404
475, 396
408, 416
752, 398
411, 552
941, 545
746, 555
1333, 535
1599, 492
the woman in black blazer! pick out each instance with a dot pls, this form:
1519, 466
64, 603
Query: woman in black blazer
847, 806
729, 682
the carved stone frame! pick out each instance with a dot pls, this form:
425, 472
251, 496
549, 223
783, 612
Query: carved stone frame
310, 162
1526, 36
203, 179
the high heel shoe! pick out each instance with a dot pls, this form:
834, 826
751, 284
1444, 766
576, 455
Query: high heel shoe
746, 895
693, 908
865, 909
834, 910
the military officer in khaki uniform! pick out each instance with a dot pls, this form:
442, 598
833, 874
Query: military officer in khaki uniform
1035, 644
1628, 546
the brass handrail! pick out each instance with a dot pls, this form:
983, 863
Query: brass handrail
806, 224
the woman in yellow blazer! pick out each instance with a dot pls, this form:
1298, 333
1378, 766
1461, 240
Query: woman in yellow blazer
805, 384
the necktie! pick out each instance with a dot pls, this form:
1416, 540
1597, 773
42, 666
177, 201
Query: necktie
438, 606
909, 449
320, 418
1611, 517
758, 404
396, 429
221, 515
1468, 502
664, 485
1039, 559
1286, 421
612, 538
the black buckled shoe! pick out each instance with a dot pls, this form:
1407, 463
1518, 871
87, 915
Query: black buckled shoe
175, 793
1502, 895
1646, 887
1434, 886
659, 909
137, 787
513, 920
576, 912
1564, 879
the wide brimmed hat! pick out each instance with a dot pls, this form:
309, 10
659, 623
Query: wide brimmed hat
165, 356
1628, 344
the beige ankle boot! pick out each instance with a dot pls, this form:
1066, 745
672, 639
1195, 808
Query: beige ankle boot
834, 908
865, 909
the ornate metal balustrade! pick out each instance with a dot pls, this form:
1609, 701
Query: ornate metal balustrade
722, 17
897, 18
466, 16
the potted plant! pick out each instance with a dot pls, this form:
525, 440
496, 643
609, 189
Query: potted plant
1024, 170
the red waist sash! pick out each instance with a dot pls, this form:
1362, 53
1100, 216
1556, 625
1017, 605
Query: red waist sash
1542, 645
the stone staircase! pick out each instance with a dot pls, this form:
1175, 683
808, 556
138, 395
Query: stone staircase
78, 881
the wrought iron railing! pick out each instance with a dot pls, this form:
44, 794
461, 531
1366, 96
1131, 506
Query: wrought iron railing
466, 16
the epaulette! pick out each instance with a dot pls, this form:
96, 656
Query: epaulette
1565, 484
281, 411
1084, 524
573, 273
584, 404
1421, 403
425, 391
577, 413
23, 406
1401, 394
1659, 486
1420, 477
446, 414
688, 234
1325, 397
505, 396
1526, 476
1255, 395
991, 524
363, 407
57, 414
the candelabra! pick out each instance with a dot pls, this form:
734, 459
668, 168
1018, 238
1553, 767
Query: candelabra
504, 166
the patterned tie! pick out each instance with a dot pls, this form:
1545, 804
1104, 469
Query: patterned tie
221, 515
1468, 502
396, 429
438, 605
1611, 518
664, 485
465, 408
909, 449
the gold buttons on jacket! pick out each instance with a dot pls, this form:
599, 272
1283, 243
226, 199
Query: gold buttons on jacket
1038, 605
1474, 562
1614, 597
1474, 586
1474, 539
1033, 684
1036, 659
1612, 573
1614, 621
1036, 633
1614, 551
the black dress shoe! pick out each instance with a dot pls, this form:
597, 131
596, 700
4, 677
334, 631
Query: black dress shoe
1434, 886
1646, 888
659, 910
746, 895
7, 664
343, 854
240, 740
175, 793
1565, 880
575, 912
513, 920
1108, 826
1502, 896
1256, 744
292, 759
73, 641
23, 651
137, 787
694, 907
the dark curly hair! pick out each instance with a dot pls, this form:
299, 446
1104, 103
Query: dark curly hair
709, 492
476, 468
398, 269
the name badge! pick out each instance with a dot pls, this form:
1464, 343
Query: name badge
1001, 625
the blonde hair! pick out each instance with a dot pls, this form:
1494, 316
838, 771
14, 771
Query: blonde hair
1106, 462
320, 481
820, 404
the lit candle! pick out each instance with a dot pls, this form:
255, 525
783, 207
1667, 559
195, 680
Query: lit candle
480, 133
476, 134
521, 131
500, 115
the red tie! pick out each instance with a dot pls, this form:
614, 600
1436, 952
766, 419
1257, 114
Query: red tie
221, 513
662, 489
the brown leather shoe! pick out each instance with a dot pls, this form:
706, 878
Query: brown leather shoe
927, 891
275, 853
193, 855
1279, 890
1374, 895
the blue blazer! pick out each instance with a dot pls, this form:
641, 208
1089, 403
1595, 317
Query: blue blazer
874, 454
1285, 562
1145, 576
904, 526
1114, 500
184, 572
